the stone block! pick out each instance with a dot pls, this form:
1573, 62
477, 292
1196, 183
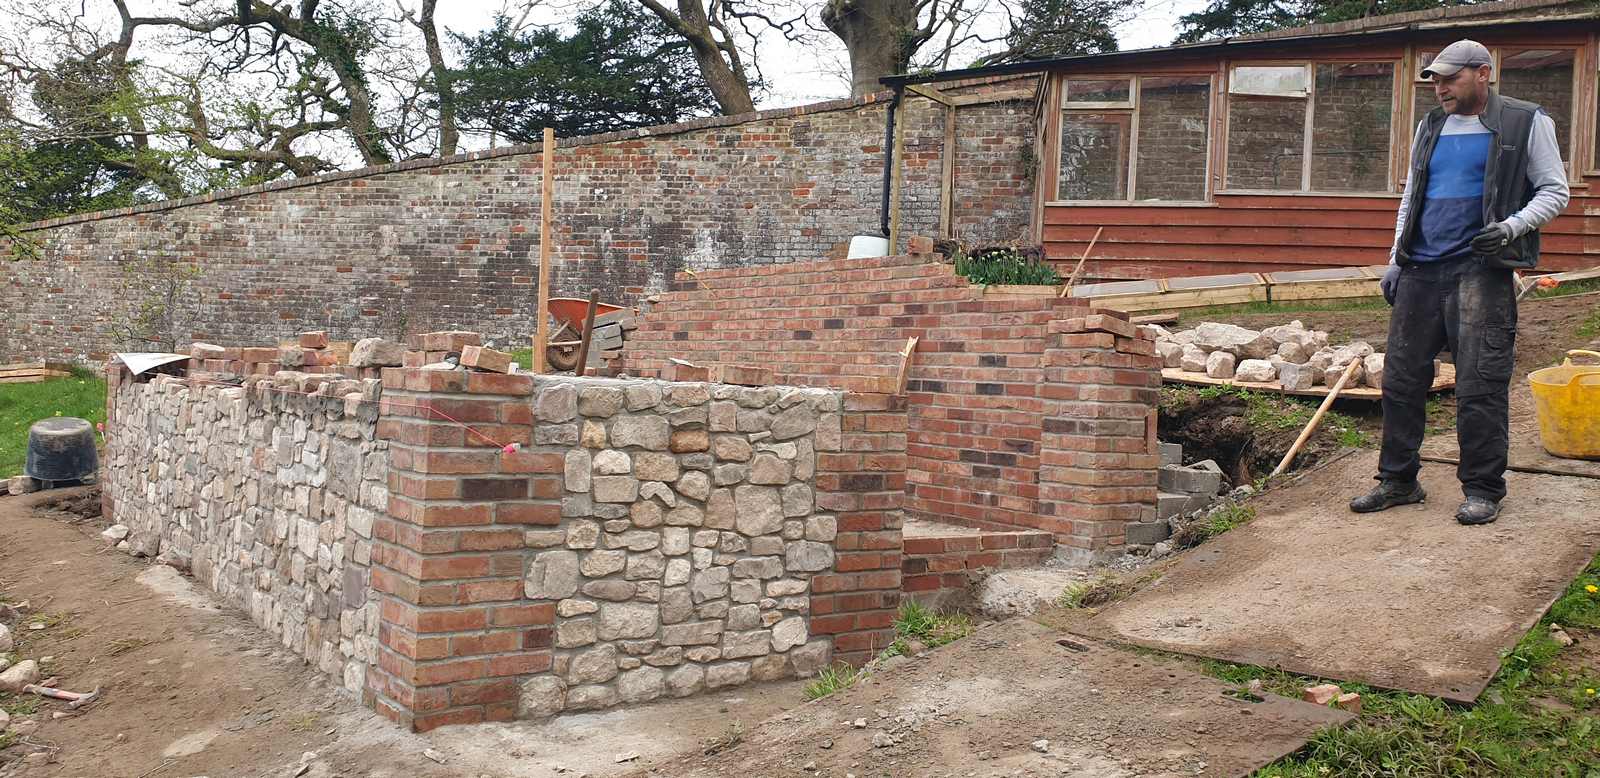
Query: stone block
1255, 370
615, 488
1193, 479
553, 575
1193, 359
1146, 533
1293, 377
1219, 364
1169, 504
1372, 365
1171, 453
623, 620
646, 432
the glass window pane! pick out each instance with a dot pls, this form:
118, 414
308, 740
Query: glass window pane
1266, 142
1100, 90
1543, 76
1350, 127
1174, 115
1094, 156
1276, 81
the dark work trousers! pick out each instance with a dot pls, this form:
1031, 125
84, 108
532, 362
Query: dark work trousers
1472, 309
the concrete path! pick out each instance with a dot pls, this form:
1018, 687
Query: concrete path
1404, 599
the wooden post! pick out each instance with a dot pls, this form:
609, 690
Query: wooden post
947, 183
588, 332
905, 364
895, 175
541, 340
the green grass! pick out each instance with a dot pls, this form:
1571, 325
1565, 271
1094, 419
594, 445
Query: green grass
82, 395
523, 357
833, 679
1538, 717
915, 622
1590, 328
1308, 306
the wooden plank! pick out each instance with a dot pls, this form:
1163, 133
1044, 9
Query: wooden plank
905, 364
1445, 379
1187, 299
1155, 318
994, 97
932, 94
62, 366
1323, 290
1577, 275
947, 176
1018, 290
35, 373
547, 198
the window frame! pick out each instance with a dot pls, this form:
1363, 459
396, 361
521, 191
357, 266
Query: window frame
1579, 68
1397, 90
1134, 110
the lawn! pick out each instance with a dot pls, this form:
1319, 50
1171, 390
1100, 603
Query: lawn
82, 395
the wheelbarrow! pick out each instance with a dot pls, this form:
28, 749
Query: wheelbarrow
561, 348
1567, 399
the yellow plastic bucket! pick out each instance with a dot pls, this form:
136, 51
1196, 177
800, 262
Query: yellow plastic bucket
1567, 398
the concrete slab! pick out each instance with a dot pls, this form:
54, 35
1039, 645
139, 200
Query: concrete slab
979, 706
1318, 274
1406, 599
1212, 282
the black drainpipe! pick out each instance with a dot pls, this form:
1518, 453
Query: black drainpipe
888, 157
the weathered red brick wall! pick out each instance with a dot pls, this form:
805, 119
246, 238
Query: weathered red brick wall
934, 565
979, 389
453, 244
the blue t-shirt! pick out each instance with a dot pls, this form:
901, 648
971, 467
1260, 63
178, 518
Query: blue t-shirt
1452, 208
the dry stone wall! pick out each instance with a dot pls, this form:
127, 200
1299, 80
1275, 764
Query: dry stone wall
689, 538
268, 494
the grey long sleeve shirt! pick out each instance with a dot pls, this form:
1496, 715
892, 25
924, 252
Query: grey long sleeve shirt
1545, 172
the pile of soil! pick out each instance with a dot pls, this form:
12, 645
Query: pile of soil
1218, 428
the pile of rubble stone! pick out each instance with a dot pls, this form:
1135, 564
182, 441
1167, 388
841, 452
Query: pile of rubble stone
1295, 357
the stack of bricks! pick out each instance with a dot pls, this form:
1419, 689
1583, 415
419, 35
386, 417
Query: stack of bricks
430, 347
458, 637
861, 478
974, 381
311, 352
1099, 460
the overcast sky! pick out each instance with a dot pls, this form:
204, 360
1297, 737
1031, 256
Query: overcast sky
806, 74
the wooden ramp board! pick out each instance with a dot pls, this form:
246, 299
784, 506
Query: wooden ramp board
1409, 600
1445, 379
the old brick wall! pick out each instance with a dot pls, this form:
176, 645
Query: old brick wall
268, 493
979, 390
453, 244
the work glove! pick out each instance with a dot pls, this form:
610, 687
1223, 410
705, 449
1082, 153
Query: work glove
1389, 283
1493, 237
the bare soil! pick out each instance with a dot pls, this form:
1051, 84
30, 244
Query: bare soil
1014, 700
192, 688
1405, 599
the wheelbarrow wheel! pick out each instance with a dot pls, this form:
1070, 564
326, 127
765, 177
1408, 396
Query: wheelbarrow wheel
561, 357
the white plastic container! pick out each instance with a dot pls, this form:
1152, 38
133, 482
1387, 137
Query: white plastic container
862, 246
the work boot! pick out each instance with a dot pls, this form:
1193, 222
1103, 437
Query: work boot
1388, 494
1477, 510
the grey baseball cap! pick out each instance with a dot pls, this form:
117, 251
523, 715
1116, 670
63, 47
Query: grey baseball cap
1458, 55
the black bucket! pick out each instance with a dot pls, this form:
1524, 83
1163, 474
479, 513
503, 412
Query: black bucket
62, 449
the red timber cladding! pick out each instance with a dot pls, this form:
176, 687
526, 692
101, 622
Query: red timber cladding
861, 478
457, 638
933, 564
1269, 233
974, 385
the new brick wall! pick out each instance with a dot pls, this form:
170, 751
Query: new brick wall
453, 244
979, 390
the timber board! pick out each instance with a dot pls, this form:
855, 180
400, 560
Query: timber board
1445, 379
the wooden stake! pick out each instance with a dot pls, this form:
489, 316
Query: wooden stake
588, 332
547, 196
1073, 279
905, 365
1316, 418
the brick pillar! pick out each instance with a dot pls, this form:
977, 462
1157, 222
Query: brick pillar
457, 638
861, 479
1098, 456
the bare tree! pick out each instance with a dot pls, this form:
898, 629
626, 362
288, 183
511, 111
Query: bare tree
715, 49
438, 76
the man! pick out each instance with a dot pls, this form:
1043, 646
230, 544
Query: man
1485, 175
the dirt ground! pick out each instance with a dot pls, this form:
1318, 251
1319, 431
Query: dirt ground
1014, 700
1285, 590
194, 689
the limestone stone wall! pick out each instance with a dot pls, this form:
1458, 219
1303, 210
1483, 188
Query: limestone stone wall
267, 493
689, 537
